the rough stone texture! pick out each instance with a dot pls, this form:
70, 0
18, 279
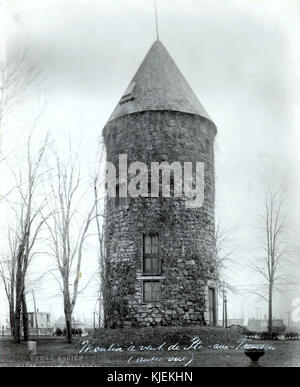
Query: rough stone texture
186, 236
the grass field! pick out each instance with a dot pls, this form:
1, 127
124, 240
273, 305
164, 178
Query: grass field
54, 352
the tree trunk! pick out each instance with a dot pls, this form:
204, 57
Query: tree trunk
68, 327
68, 317
270, 322
17, 324
68, 310
19, 295
12, 318
25, 319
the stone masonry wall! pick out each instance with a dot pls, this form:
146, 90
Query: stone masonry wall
186, 236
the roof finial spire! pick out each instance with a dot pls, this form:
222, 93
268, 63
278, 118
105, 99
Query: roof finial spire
156, 20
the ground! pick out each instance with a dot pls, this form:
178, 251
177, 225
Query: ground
55, 352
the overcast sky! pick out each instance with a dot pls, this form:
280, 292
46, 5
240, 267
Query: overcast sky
241, 58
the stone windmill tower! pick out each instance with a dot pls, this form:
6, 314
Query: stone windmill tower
160, 255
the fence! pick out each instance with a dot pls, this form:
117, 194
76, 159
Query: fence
32, 332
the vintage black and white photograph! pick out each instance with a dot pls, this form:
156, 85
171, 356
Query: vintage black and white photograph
149, 185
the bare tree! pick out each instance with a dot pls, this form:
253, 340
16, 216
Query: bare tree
25, 202
225, 252
8, 275
68, 230
225, 262
100, 221
17, 76
274, 247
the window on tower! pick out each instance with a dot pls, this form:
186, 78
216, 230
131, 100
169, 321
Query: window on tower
151, 261
172, 187
151, 291
128, 95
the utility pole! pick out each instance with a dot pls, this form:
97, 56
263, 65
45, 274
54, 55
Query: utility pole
223, 309
224, 306
258, 309
258, 320
35, 313
94, 324
289, 320
100, 312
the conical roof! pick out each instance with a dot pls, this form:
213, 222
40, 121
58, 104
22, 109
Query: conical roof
158, 85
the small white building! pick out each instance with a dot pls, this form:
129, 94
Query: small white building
42, 320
